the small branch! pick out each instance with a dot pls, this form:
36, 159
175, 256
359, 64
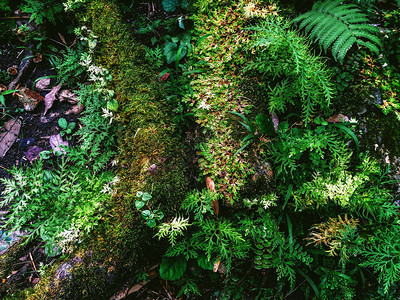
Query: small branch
33, 263
11, 18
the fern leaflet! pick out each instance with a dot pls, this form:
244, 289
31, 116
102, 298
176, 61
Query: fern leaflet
339, 26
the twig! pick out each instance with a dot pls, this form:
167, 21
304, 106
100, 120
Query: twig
33, 263
292, 291
10, 18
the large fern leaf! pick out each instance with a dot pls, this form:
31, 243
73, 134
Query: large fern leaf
339, 26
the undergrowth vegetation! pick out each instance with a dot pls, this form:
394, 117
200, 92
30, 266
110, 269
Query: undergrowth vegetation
218, 152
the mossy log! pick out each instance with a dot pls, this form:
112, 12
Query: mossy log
150, 159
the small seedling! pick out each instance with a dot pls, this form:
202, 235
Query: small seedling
149, 215
66, 128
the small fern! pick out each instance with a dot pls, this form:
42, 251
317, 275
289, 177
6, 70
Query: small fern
339, 26
43, 10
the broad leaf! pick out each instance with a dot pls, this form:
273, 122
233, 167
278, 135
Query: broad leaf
170, 5
139, 204
146, 197
172, 268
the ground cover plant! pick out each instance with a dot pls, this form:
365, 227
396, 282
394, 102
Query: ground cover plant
199, 149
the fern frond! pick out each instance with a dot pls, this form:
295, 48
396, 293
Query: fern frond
340, 26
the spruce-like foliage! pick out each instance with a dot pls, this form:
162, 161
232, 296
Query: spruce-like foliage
339, 26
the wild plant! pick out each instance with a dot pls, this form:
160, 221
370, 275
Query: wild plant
41, 11
284, 56
339, 26
70, 71
54, 204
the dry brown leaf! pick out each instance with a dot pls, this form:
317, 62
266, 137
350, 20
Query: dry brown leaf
69, 96
211, 186
76, 109
57, 143
43, 84
50, 98
29, 98
8, 135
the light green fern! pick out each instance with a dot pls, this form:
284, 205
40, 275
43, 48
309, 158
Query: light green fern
339, 26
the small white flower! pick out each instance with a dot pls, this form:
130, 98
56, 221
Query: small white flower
107, 114
204, 105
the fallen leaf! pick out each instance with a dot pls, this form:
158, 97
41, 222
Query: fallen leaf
62, 38
29, 98
339, 118
76, 109
35, 280
8, 135
69, 96
50, 98
43, 84
38, 58
210, 184
33, 153
275, 121
57, 143
164, 77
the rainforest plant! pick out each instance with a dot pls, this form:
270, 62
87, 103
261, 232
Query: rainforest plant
339, 26
59, 206
284, 56
43, 10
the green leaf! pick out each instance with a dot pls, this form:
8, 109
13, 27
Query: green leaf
71, 126
112, 105
143, 30
45, 154
139, 204
204, 263
62, 123
350, 133
158, 214
146, 214
146, 196
283, 127
264, 122
9, 92
172, 268
2, 100
139, 194
151, 223
171, 51
170, 5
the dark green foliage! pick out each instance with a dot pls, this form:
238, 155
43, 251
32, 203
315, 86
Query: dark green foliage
340, 26
382, 253
4, 6
70, 71
42, 10
299, 153
98, 133
171, 5
285, 56
172, 268
272, 249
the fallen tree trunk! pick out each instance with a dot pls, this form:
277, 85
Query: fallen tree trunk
150, 160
